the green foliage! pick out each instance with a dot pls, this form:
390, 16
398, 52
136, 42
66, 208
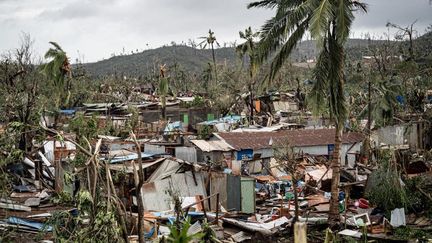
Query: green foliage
418, 202
406, 233
133, 121
385, 188
102, 228
180, 234
58, 67
208, 235
62, 198
84, 127
205, 131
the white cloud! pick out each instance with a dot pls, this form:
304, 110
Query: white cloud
98, 28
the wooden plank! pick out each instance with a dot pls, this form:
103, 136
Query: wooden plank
300, 232
15, 207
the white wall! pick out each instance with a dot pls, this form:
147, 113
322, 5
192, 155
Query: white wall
316, 150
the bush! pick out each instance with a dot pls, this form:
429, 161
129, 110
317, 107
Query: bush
385, 188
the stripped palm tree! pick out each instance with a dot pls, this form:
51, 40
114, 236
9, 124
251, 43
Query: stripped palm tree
210, 40
329, 22
163, 89
249, 48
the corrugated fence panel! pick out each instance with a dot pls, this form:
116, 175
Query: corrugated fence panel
218, 184
186, 153
154, 149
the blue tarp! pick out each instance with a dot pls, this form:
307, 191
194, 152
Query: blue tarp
173, 126
227, 119
68, 112
31, 224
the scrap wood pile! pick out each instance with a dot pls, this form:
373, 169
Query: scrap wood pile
49, 195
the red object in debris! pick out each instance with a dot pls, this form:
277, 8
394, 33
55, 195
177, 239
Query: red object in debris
363, 203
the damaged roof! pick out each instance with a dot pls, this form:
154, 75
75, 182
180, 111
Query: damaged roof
212, 145
297, 138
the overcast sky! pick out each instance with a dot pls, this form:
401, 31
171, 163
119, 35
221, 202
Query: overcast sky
93, 29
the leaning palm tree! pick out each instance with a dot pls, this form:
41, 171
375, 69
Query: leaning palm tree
210, 40
249, 48
329, 23
58, 68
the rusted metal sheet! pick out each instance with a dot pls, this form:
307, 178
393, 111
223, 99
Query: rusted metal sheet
297, 138
212, 145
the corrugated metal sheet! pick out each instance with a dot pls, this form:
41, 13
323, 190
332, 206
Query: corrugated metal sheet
155, 149
154, 193
218, 184
297, 138
213, 145
154, 196
167, 168
186, 153
128, 167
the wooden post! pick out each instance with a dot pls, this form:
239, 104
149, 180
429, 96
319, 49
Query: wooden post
300, 232
59, 174
38, 174
217, 209
202, 205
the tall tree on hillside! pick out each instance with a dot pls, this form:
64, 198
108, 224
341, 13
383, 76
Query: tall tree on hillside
329, 22
210, 40
249, 48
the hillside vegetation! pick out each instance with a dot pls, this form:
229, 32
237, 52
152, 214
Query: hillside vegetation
195, 60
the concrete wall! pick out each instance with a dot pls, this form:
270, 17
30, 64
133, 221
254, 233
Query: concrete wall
400, 134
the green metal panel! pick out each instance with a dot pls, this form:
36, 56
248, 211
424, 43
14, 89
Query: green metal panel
233, 188
210, 117
247, 195
186, 119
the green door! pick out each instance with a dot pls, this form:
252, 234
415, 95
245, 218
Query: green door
247, 195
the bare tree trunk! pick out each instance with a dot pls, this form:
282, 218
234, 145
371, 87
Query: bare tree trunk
296, 212
138, 186
334, 216
214, 64
163, 107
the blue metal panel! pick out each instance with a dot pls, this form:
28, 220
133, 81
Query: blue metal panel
244, 154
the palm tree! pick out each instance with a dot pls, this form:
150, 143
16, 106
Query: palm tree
329, 22
249, 48
59, 67
57, 70
163, 90
210, 40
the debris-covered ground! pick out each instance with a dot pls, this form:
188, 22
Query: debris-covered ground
335, 147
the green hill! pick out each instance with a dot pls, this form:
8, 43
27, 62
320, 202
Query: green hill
195, 60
